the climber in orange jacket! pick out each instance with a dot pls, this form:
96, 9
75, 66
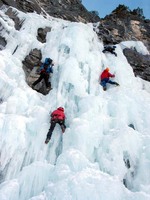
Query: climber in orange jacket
104, 77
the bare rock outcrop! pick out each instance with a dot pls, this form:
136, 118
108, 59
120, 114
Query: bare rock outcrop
124, 25
71, 10
139, 62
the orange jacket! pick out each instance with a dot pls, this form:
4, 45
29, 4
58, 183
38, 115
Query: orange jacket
106, 74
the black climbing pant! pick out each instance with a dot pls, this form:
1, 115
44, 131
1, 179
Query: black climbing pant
52, 126
43, 76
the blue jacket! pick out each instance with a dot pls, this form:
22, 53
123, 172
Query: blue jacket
49, 68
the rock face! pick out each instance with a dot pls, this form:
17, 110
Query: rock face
13, 15
140, 63
71, 10
42, 34
25, 6
124, 25
31, 60
31, 66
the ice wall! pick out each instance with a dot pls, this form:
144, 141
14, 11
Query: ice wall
106, 143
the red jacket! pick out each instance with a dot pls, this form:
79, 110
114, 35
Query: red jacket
106, 74
58, 114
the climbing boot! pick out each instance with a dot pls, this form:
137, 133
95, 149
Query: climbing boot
63, 129
104, 88
47, 140
117, 84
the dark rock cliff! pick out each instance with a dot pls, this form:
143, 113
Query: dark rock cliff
124, 25
71, 10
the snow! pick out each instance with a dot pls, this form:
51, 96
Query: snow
107, 139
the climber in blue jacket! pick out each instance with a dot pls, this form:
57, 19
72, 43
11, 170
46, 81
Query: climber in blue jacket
45, 69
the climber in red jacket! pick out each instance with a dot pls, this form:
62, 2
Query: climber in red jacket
104, 77
57, 116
